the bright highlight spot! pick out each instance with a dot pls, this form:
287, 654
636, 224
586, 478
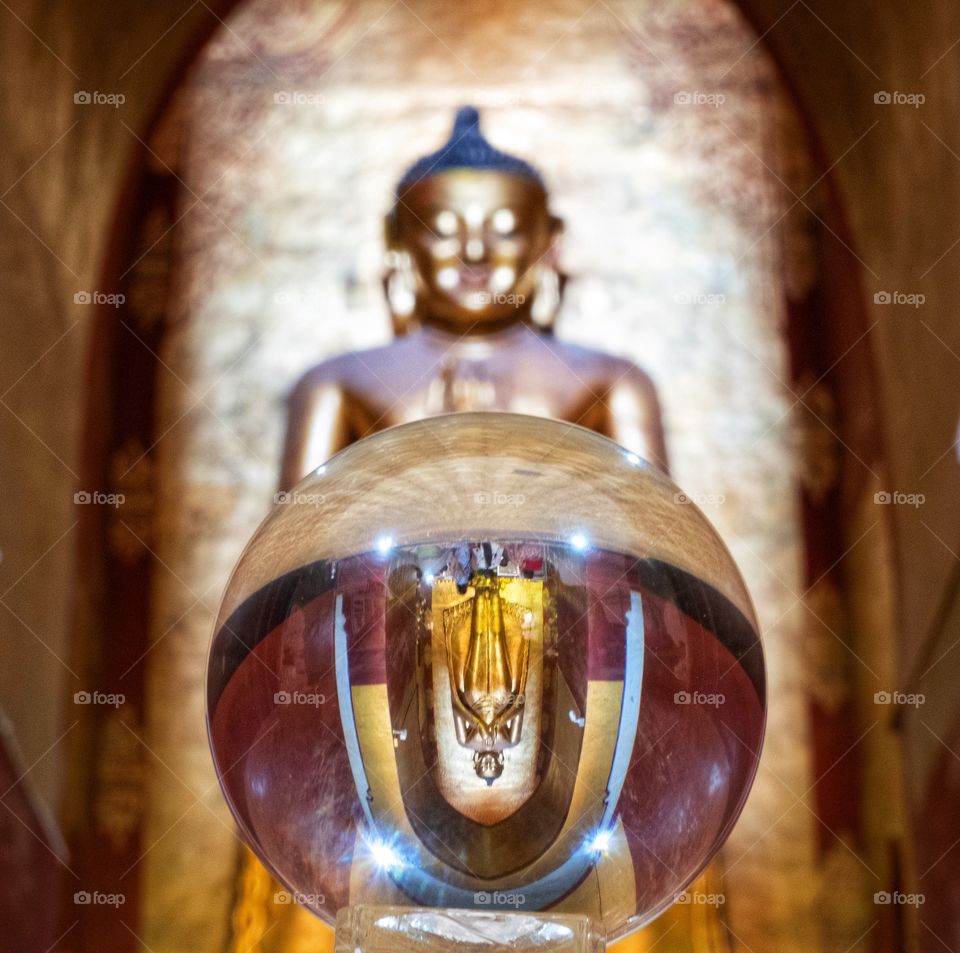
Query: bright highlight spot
504, 221
600, 843
474, 215
502, 278
385, 856
448, 278
578, 541
447, 223
384, 544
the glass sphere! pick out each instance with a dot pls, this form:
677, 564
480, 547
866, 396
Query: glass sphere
486, 661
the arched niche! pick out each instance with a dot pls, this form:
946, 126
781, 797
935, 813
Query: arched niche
704, 244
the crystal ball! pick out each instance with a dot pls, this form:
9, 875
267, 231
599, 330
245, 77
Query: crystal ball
486, 661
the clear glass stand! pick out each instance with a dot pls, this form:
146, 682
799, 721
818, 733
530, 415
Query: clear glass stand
364, 929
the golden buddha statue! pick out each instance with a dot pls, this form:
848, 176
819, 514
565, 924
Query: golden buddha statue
473, 285
487, 686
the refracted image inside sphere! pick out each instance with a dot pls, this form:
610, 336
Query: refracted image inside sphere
487, 661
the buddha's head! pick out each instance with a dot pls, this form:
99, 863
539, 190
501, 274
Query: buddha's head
472, 236
488, 765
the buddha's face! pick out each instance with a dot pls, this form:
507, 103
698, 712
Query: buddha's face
476, 239
488, 765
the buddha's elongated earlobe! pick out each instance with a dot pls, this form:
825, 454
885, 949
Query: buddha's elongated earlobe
400, 289
546, 296
550, 281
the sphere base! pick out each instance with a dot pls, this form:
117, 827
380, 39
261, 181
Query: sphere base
385, 929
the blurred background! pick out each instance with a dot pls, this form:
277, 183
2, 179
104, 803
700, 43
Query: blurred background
758, 203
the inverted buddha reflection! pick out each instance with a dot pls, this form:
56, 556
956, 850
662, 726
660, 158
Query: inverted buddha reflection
488, 681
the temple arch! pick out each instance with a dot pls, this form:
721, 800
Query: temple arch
702, 244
